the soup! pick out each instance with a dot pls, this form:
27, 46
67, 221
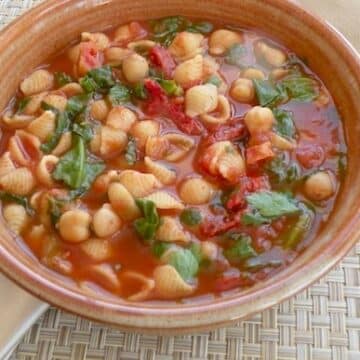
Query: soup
170, 159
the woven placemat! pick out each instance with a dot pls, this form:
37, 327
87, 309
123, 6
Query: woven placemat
321, 323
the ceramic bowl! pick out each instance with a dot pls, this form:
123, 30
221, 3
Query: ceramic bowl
46, 29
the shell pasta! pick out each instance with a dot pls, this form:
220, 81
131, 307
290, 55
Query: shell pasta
170, 159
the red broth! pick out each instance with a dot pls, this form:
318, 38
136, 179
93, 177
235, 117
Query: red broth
261, 208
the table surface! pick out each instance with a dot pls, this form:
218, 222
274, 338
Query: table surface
322, 322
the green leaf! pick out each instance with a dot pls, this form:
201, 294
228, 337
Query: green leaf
268, 93
285, 125
281, 171
84, 130
62, 125
61, 78
159, 247
171, 87
99, 78
77, 104
55, 209
92, 170
119, 94
253, 218
131, 152
21, 200
272, 204
241, 249
149, 223
88, 84
215, 80
203, 27
22, 104
301, 88
185, 263
235, 54
139, 91
191, 217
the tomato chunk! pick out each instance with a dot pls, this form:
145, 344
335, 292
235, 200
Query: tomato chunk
259, 152
161, 58
90, 57
231, 282
310, 155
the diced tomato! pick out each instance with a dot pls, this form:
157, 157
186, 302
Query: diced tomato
259, 152
161, 58
231, 282
259, 138
214, 225
310, 155
90, 57
160, 104
246, 185
136, 30
234, 130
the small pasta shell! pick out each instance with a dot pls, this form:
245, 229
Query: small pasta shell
160, 171
169, 284
201, 99
103, 181
34, 104
281, 143
180, 145
44, 169
39, 81
57, 101
71, 89
6, 164
137, 183
157, 147
100, 39
224, 112
43, 126
105, 221
24, 148
186, 45
171, 231
63, 145
112, 141
147, 287
106, 275
16, 217
114, 56
99, 110
196, 191
231, 166
97, 249
189, 72
221, 40
142, 130
143, 44
210, 66
163, 200
17, 121
20, 181
121, 118
123, 202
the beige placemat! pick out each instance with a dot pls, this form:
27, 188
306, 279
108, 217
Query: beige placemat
321, 323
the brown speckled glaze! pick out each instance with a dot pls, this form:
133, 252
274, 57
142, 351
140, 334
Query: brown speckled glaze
49, 27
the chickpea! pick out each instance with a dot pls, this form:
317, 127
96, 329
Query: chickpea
135, 68
273, 56
319, 186
74, 225
105, 221
242, 90
201, 99
121, 118
253, 73
99, 110
209, 250
259, 119
221, 40
196, 191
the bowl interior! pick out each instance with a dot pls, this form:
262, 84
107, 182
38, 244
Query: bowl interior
51, 26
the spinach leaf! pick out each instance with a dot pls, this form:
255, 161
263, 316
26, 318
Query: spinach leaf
62, 78
62, 125
171, 87
185, 263
159, 247
21, 200
149, 223
191, 217
77, 104
285, 125
241, 249
268, 93
139, 91
281, 171
131, 152
22, 104
235, 54
84, 130
301, 88
119, 94
253, 218
96, 79
271, 204
203, 27
55, 209
215, 80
